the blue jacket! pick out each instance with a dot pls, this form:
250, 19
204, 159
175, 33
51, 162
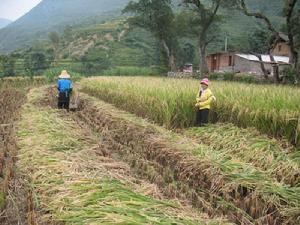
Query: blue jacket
64, 85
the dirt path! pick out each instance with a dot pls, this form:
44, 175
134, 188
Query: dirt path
75, 178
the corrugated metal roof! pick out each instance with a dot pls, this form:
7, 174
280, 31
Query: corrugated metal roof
283, 36
265, 58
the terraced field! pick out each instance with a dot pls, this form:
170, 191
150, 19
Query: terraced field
103, 165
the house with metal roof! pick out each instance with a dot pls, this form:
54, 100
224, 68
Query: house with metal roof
245, 63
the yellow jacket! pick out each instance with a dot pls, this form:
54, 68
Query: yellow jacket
204, 101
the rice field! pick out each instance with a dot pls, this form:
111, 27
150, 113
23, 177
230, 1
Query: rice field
21, 82
73, 179
274, 110
140, 161
177, 163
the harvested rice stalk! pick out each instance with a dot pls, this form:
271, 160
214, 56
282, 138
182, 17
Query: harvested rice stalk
254, 196
78, 184
247, 145
10, 103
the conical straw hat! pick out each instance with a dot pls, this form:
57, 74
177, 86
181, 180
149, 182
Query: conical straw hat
64, 75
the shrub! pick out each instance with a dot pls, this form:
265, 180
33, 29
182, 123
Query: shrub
215, 76
289, 75
131, 71
52, 74
246, 78
228, 76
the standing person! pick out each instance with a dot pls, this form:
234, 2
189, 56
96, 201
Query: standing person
64, 87
204, 100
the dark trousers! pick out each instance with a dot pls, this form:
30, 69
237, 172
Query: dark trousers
202, 117
64, 100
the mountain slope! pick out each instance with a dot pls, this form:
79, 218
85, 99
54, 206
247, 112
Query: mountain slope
52, 15
4, 22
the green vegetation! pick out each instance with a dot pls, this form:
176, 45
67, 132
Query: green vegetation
271, 109
159, 19
7, 64
131, 71
228, 76
51, 75
113, 47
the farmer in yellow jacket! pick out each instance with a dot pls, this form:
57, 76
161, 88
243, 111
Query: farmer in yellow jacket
204, 99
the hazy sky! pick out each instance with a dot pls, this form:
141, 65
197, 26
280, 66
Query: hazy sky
13, 9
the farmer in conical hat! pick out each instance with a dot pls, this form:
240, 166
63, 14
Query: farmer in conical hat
204, 99
64, 87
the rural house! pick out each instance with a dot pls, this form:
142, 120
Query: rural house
244, 63
282, 48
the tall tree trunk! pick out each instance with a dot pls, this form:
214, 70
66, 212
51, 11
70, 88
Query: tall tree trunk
275, 69
290, 6
203, 64
172, 63
262, 66
171, 57
298, 66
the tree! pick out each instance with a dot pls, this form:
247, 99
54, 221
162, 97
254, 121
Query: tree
259, 40
1, 66
295, 30
68, 32
8, 65
203, 20
188, 53
35, 63
95, 61
55, 41
157, 17
259, 44
289, 14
